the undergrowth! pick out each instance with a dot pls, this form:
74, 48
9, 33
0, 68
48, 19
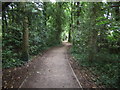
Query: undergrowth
13, 59
105, 67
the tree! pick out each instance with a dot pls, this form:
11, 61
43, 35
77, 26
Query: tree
93, 31
25, 54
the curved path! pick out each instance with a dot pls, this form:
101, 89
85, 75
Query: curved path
52, 71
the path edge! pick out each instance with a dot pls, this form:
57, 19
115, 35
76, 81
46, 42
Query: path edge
75, 75
22, 82
74, 72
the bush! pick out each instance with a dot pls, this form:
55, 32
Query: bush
105, 66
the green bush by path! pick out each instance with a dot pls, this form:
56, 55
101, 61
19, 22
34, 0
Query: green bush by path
105, 66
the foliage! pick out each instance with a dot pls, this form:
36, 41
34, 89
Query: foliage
43, 28
96, 41
93, 28
105, 67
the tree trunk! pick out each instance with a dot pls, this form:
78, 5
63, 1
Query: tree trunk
69, 37
58, 22
44, 12
25, 39
92, 45
73, 18
116, 10
78, 13
93, 32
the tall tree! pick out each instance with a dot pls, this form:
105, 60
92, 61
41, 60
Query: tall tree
25, 44
25, 54
93, 30
71, 22
58, 21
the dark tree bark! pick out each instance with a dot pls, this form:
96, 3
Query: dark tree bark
25, 54
116, 6
93, 32
69, 37
25, 42
78, 12
58, 22
73, 18
44, 12
71, 23
5, 5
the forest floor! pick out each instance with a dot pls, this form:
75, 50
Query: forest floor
50, 70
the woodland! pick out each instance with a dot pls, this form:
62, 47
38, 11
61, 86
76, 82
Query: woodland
93, 29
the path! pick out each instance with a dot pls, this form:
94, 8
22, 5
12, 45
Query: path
53, 71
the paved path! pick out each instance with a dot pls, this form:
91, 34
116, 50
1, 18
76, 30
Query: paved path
53, 71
